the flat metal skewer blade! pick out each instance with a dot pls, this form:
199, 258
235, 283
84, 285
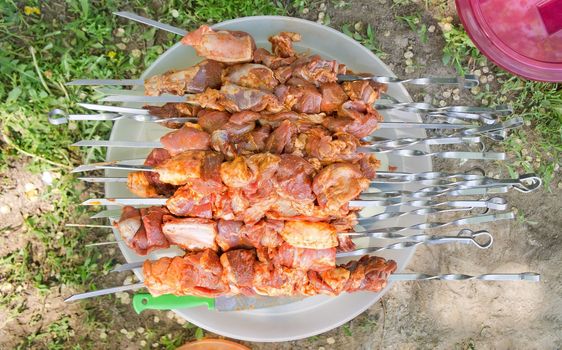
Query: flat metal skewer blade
125, 201
122, 144
414, 125
106, 291
116, 109
525, 276
122, 82
103, 179
146, 99
112, 165
115, 213
150, 22
128, 266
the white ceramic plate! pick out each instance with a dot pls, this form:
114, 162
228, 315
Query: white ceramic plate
314, 315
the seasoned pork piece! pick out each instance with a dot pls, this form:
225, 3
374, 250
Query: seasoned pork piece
173, 110
330, 148
251, 75
198, 274
129, 223
190, 137
304, 258
206, 74
190, 233
274, 62
333, 96
182, 167
224, 45
317, 71
302, 99
294, 179
282, 44
312, 235
152, 219
280, 137
147, 183
366, 91
238, 267
239, 98
212, 120
355, 118
336, 184
138, 182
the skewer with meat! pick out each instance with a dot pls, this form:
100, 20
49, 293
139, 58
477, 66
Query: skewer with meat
228, 46
303, 245
251, 187
243, 271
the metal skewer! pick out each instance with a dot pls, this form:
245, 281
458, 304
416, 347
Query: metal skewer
395, 277
467, 81
429, 225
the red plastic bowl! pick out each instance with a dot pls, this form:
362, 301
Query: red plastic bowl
521, 36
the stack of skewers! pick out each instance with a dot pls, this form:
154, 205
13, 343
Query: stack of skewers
271, 158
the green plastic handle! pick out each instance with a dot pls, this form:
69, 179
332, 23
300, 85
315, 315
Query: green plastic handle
145, 301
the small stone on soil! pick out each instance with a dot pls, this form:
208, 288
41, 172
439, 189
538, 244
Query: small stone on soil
156, 319
447, 93
431, 29
170, 314
5, 209
123, 331
330, 341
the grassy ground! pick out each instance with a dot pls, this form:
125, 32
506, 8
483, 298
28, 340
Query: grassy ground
44, 44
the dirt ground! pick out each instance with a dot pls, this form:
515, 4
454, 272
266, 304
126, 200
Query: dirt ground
414, 315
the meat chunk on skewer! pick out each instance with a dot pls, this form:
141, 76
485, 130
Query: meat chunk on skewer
251, 75
313, 235
148, 184
224, 45
206, 74
337, 184
242, 271
190, 137
282, 44
199, 274
190, 233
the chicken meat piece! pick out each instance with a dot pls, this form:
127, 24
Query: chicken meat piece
191, 137
337, 184
282, 44
274, 62
206, 74
369, 165
238, 270
251, 75
198, 274
190, 233
311, 235
236, 173
333, 96
226, 46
